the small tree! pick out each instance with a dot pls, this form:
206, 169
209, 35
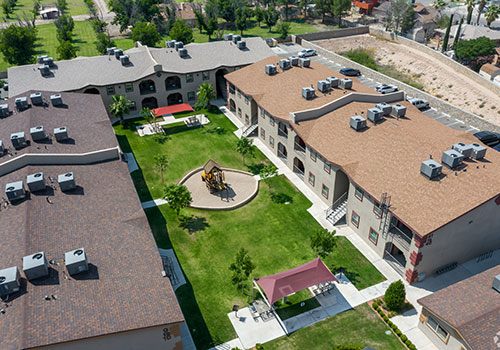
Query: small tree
470, 9
340, 8
322, 242
480, 7
120, 107
103, 42
271, 17
468, 51
145, 33
161, 163
206, 93
287, 4
7, 8
17, 44
200, 20
62, 5
66, 50
395, 295
267, 173
242, 19
447, 35
408, 19
439, 5
35, 11
181, 32
492, 14
244, 146
242, 267
283, 29
64, 26
177, 197
457, 34
212, 26
259, 15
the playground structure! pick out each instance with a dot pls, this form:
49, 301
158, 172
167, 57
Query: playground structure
213, 176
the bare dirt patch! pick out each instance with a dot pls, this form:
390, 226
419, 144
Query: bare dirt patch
438, 79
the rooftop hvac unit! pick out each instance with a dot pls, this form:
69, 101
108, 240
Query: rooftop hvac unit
44, 70
496, 283
61, 134
1, 148
357, 122
15, 191
345, 83
66, 181
36, 182
242, 44
40, 59
10, 281
431, 168
110, 51
294, 60
183, 52
478, 151
452, 158
384, 107
56, 99
36, 98
38, 133
270, 69
21, 103
178, 45
334, 82
308, 93
76, 261
465, 150
305, 62
398, 110
228, 37
374, 114
323, 86
125, 59
170, 44
4, 110
285, 64
35, 266
236, 38
49, 61
118, 53
18, 140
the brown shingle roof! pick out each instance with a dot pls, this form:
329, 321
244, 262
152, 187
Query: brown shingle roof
471, 306
489, 68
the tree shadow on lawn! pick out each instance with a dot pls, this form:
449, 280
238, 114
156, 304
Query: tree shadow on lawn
256, 168
193, 223
178, 128
351, 275
281, 198
217, 130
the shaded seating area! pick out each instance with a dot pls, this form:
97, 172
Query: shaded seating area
162, 111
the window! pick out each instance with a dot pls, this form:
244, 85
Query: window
377, 209
239, 93
355, 219
129, 87
191, 96
440, 331
133, 106
262, 133
327, 167
373, 236
239, 112
324, 191
314, 155
110, 89
271, 121
189, 78
205, 75
247, 100
247, 119
231, 89
271, 141
262, 112
358, 193
312, 179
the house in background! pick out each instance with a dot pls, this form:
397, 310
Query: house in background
49, 11
465, 315
470, 31
185, 11
365, 6
426, 18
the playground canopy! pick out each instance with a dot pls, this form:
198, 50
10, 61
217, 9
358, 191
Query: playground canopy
210, 165
183, 107
301, 277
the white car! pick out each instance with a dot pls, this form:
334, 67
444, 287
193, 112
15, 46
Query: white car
388, 89
419, 103
381, 86
307, 53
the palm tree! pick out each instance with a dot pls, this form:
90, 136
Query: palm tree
492, 14
206, 93
470, 9
244, 147
120, 107
480, 7
439, 5
161, 163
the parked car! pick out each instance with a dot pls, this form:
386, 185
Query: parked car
388, 89
307, 53
489, 138
381, 86
6, 87
350, 72
497, 147
419, 103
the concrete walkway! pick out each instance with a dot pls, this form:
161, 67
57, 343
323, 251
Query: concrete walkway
180, 279
154, 203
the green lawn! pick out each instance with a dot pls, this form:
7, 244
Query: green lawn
75, 7
293, 307
358, 327
186, 148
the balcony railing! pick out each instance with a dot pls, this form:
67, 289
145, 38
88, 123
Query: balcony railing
282, 133
146, 90
299, 149
394, 263
281, 154
400, 238
298, 171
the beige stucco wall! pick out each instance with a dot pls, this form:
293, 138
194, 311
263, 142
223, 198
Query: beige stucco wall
454, 341
166, 337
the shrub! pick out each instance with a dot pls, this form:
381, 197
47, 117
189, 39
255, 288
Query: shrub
412, 347
408, 342
380, 312
385, 318
259, 346
394, 327
376, 307
395, 296
390, 323
404, 338
398, 332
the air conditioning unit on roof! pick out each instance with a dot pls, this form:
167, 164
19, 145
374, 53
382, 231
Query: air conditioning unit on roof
228, 37
61, 134
110, 51
10, 281
21, 103
452, 158
49, 61
35, 266
430, 168
357, 122
478, 151
398, 110
461, 147
323, 86
66, 181
236, 38
76, 261
374, 114
334, 82
56, 100
305, 62
4, 110
125, 60
15, 191
308, 93
36, 182
294, 60
44, 70
242, 44
36, 98
384, 107
270, 69
346, 83
40, 59
18, 140
118, 53
285, 64
38, 133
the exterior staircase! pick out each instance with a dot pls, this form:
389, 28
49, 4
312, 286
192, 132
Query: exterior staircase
250, 130
338, 210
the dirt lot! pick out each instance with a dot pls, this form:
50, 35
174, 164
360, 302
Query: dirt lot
438, 79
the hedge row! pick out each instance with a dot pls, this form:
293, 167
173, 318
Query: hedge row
395, 328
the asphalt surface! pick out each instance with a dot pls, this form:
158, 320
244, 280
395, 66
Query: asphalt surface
287, 50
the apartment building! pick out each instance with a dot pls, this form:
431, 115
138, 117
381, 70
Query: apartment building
148, 77
372, 177
79, 267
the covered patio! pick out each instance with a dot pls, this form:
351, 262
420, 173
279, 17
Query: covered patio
167, 110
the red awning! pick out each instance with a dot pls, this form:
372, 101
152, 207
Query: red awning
285, 283
183, 107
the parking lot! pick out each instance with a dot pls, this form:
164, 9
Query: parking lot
286, 50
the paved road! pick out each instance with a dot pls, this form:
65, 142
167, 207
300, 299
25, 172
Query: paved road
287, 50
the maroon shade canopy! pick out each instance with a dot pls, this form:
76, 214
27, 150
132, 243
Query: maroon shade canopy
301, 277
183, 107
